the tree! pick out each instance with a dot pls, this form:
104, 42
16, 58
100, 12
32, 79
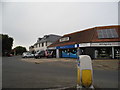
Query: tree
7, 43
19, 50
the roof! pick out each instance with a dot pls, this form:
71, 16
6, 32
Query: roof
87, 36
49, 38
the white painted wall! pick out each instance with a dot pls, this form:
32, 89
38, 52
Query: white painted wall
42, 48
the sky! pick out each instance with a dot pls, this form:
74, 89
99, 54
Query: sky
27, 21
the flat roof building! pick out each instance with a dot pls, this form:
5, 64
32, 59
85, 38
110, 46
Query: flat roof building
98, 42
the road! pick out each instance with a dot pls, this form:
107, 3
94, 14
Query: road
20, 74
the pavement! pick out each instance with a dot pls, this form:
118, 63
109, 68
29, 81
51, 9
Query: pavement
106, 64
54, 73
111, 64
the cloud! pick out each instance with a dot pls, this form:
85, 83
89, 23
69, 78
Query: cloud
26, 21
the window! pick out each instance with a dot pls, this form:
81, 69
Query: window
107, 33
42, 44
46, 43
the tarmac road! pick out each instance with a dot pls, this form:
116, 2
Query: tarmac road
21, 74
105, 79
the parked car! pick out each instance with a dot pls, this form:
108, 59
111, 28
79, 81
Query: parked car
9, 54
27, 55
44, 54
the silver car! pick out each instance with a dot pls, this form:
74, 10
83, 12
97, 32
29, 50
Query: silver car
27, 55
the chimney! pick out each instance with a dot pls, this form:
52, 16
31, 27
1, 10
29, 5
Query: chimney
39, 39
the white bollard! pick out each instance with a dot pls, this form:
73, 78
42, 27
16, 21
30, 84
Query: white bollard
85, 72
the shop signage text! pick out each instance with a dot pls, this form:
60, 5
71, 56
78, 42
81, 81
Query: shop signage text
64, 39
52, 48
64, 47
106, 44
84, 45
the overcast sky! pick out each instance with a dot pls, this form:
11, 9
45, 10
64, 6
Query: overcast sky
26, 21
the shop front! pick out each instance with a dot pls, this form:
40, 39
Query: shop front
102, 50
106, 50
67, 51
53, 51
98, 42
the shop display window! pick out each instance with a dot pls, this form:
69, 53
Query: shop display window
70, 53
104, 53
117, 52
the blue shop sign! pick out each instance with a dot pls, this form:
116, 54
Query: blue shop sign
66, 46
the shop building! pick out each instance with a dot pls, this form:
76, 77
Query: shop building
98, 42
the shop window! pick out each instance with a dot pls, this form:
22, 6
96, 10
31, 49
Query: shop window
73, 51
70, 53
104, 53
117, 53
65, 53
